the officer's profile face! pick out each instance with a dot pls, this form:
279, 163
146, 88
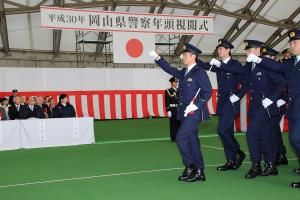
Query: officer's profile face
174, 84
188, 58
255, 51
223, 52
295, 47
287, 55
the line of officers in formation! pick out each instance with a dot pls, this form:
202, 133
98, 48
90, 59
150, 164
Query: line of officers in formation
274, 89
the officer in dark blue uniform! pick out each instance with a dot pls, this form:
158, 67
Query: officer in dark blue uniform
265, 89
286, 53
291, 70
171, 103
195, 90
280, 149
228, 105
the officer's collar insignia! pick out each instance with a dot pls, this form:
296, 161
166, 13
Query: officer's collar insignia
189, 80
264, 50
292, 34
259, 74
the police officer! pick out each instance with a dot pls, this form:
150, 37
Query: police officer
195, 90
291, 70
265, 88
171, 102
286, 53
11, 98
280, 149
228, 105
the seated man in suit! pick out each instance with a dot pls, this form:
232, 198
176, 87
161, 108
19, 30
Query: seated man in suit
31, 110
63, 109
14, 110
40, 102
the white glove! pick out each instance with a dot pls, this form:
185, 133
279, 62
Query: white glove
233, 98
253, 58
280, 103
153, 54
169, 114
181, 56
215, 62
192, 107
266, 102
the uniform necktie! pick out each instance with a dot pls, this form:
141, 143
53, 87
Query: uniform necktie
186, 72
253, 66
296, 61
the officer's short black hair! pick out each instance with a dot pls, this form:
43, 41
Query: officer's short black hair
62, 96
46, 97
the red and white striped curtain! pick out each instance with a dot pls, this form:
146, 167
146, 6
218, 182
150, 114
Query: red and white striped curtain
128, 104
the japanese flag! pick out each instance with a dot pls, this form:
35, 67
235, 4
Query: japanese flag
133, 47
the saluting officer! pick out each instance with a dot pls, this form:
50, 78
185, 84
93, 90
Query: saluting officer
171, 102
228, 105
265, 88
280, 149
195, 90
291, 70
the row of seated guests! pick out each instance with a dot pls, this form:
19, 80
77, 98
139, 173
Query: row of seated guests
36, 107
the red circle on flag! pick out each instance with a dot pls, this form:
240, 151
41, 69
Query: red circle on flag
134, 48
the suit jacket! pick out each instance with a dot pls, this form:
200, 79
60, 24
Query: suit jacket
188, 86
26, 112
13, 113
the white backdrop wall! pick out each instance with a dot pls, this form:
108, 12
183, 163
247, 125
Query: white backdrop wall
66, 79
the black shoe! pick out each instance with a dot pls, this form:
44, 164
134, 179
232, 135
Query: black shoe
254, 171
295, 185
281, 160
197, 175
225, 167
270, 169
296, 171
186, 173
239, 160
